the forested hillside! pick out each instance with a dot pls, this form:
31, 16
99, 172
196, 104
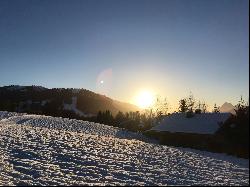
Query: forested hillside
55, 101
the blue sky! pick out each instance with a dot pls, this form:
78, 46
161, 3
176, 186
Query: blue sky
171, 47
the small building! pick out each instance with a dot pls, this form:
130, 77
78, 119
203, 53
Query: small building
204, 123
198, 131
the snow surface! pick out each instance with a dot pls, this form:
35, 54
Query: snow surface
228, 107
73, 107
207, 123
42, 150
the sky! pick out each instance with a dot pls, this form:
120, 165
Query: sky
120, 47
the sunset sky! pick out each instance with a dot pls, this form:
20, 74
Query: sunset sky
121, 47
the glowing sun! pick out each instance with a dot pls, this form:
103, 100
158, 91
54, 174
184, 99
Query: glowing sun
144, 99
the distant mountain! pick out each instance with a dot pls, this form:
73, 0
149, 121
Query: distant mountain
58, 101
227, 107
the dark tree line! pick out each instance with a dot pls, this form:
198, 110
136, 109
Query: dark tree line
190, 106
134, 121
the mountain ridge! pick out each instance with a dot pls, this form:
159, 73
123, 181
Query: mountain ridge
227, 107
18, 98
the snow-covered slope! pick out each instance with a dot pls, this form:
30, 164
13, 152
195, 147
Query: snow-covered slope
228, 107
207, 123
41, 150
72, 107
69, 125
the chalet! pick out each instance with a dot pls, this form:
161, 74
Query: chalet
198, 131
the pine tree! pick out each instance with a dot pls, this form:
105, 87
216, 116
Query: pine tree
198, 109
183, 106
204, 107
216, 109
190, 103
120, 117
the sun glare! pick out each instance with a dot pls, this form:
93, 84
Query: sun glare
144, 99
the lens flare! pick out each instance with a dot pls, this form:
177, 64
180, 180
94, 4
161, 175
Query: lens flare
104, 81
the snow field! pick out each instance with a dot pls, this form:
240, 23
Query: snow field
41, 150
